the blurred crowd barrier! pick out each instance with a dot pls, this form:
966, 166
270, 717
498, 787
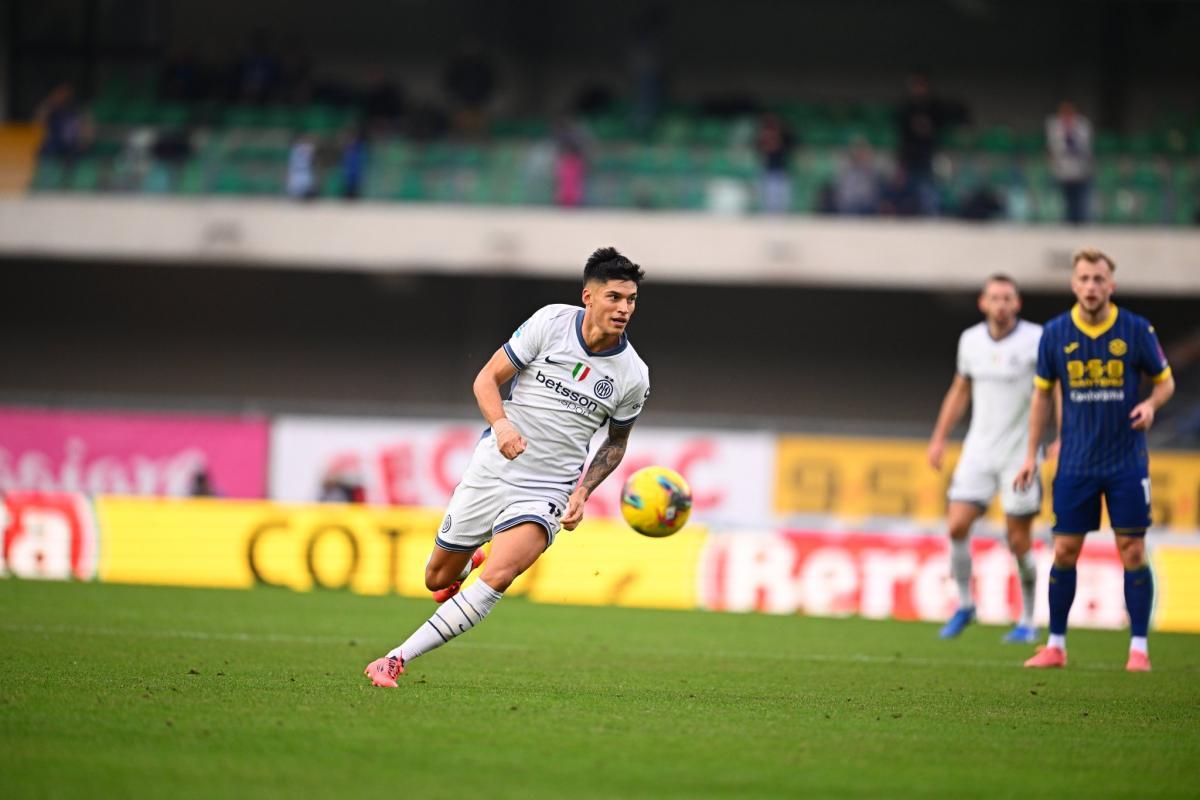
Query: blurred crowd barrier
241, 544
681, 247
740, 479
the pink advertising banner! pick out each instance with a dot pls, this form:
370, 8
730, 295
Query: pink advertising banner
165, 455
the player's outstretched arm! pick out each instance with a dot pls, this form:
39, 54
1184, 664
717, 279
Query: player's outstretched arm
1039, 413
498, 371
1143, 413
607, 458
954, 405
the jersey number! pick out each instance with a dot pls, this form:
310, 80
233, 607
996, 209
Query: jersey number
556, 513
1146, 489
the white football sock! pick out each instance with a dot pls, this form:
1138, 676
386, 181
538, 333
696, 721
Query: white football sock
1058, 640
1139, 644
457, 615
1027, 572
960, 570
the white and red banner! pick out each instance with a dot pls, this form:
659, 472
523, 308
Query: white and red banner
892, 576
131, 454
419, 463
48, 536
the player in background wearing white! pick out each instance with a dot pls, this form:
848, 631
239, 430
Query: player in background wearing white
996, 362
572, 370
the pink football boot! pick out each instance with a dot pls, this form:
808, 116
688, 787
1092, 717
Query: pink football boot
1048, 657
1138, 662
384, 671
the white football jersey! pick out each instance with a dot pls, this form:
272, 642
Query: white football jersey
563, 393
1001, 373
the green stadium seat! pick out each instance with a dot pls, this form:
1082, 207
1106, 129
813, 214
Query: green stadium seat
392, 154
1138, 144
961, 138
332, 183
1107, 144
732, 164
323, 119
193, 181
229, 180
713, 133
85, 176
1031, 143
999, 139
160, 179
410, 187
48, 176
171, 115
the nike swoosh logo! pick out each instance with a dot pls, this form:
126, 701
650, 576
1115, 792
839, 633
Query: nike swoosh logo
1071, 348
555, 363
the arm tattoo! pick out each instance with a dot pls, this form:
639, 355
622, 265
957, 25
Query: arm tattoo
607, 457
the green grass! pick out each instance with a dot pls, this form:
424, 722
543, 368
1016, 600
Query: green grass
116, 691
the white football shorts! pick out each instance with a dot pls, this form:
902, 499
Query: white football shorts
483, 505
976, 481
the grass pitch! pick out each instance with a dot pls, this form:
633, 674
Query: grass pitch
117, 691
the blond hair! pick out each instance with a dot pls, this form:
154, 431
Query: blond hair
1093, 256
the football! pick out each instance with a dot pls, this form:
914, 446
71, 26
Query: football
656, 501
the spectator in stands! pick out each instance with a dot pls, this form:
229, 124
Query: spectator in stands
570, 166
295, 76
354, 164
67, 125
202, 485
383, 103
1069, 145
184, 77
981, 204
922, 119
899, 197
301, 182
646, 67
858, 186
774, 143
471, 82
258, 72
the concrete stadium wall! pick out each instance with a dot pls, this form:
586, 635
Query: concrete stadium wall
684, 247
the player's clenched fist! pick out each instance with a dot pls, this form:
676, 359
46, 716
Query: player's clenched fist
508, 439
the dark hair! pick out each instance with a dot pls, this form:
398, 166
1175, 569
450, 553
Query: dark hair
1001, 277
607, 264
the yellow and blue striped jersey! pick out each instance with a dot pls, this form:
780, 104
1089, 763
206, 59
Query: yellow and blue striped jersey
1099, 368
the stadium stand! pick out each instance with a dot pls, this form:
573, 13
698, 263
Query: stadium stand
1144, 178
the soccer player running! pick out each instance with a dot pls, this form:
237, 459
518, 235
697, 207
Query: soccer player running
1098, 353
572, 370
996, 363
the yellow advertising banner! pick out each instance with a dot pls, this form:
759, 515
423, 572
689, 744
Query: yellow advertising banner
239, 544
1177, 589
242, 544
370, 550
859, 479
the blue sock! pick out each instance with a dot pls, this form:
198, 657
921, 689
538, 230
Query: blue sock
1062, 595
1139, 599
